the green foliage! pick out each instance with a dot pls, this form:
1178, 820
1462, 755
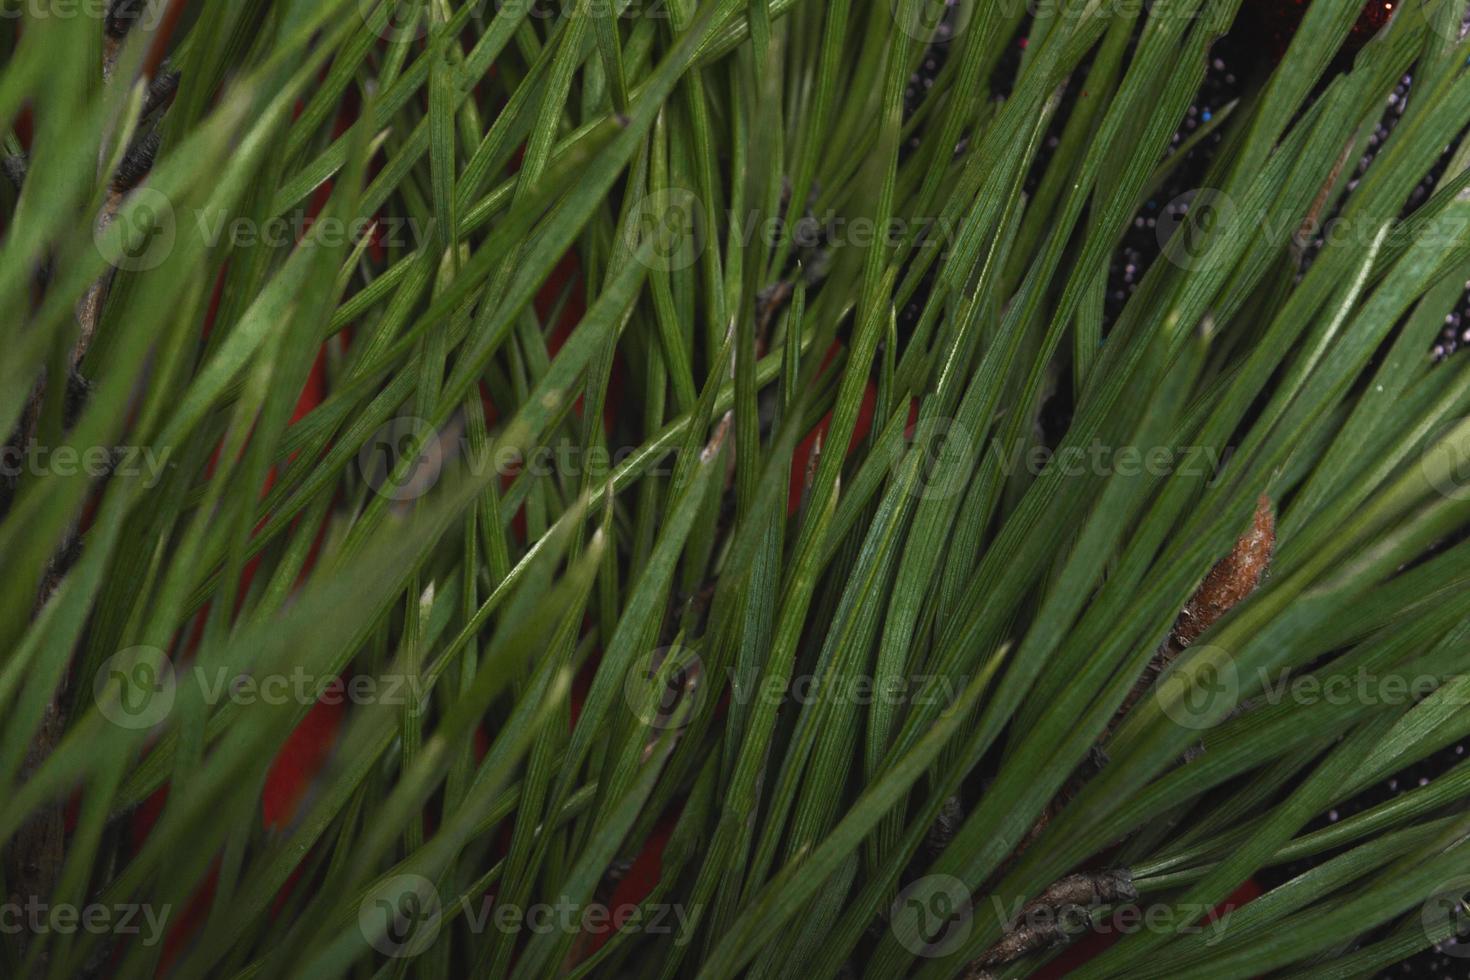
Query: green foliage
653, 645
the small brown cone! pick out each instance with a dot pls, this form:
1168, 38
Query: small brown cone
1232, 579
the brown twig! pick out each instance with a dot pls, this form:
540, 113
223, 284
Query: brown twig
1058, 915
1044, 922
35, 855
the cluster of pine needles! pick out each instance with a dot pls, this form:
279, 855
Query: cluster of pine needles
671, 469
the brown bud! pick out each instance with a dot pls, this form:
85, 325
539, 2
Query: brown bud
1232, 579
